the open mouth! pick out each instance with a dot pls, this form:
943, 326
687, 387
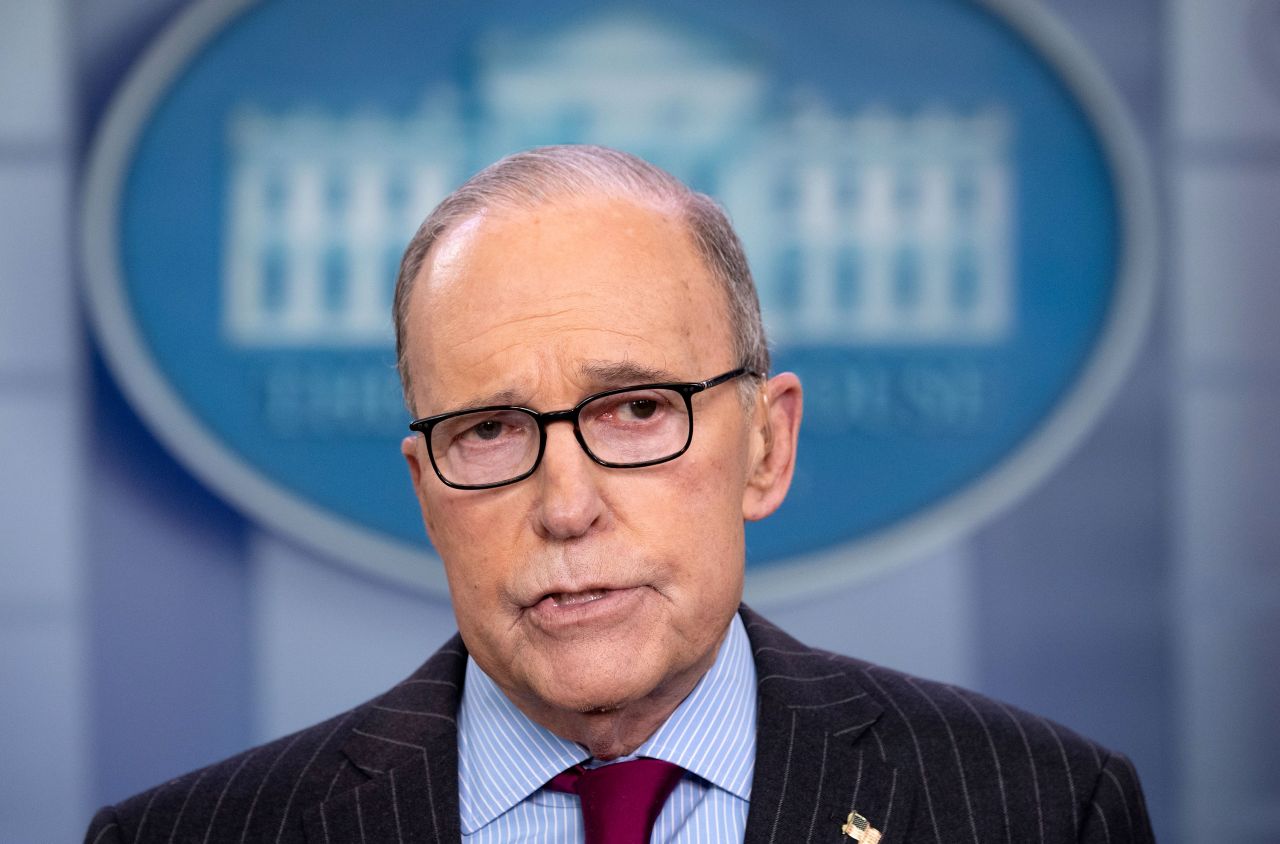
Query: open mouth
575, 603
569, 599
577, 610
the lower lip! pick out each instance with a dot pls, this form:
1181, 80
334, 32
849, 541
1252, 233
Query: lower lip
610, 608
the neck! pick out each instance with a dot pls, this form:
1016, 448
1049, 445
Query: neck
612, 733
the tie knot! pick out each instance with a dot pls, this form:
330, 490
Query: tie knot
620, 802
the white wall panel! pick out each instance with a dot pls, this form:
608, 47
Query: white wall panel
43, 721
1226, 71
39, 517
326, 639
34, 71
43, 793
1228, 251
1231, 610
37, 331
1225, 533
917, 617
1230, 491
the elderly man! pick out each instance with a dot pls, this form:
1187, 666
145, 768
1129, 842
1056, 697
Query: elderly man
581, 338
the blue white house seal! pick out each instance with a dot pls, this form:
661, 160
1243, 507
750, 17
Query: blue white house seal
947, 213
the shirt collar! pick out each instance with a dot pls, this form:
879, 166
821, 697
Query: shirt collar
712, 733
503, 757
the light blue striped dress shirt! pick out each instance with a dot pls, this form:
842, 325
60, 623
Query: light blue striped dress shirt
504, 760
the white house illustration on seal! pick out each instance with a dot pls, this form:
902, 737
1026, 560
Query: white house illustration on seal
872, 228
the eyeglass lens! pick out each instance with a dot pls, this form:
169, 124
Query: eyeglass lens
492, 446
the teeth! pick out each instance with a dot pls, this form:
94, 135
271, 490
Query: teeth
568, 599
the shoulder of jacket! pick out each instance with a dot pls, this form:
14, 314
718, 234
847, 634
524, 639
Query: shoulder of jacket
936, 713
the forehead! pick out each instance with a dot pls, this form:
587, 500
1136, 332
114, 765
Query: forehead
536, 299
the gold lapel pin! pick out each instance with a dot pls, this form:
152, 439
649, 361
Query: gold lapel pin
860, 829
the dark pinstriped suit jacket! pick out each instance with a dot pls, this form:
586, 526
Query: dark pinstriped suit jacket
923, 762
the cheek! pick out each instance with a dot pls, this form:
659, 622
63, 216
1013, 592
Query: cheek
718, 477
683, 510
709, 513
465, 540
454, 518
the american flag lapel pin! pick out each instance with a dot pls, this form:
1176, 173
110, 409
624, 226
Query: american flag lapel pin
860, 829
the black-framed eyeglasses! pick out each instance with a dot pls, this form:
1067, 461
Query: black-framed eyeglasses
625, 428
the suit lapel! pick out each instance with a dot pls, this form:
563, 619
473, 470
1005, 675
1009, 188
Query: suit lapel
407, 745
817, 756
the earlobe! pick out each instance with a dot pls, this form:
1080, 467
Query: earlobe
774, 464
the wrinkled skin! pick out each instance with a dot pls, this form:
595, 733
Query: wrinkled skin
594, 597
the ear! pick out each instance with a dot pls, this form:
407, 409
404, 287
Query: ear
413, 457
775, 428
414, 449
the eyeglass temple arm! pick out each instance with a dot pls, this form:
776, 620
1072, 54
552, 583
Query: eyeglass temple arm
728, 376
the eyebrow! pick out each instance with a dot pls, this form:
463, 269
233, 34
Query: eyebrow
608, 374
601, 374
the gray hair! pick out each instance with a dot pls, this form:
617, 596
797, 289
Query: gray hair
528, 179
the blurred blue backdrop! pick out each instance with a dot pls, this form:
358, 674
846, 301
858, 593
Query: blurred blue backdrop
148, 627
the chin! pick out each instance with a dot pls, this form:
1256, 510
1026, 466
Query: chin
593, 701
606, 695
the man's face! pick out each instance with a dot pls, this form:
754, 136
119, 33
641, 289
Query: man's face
583, 587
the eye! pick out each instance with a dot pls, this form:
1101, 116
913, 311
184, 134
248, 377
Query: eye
489, 429
639, 408
483, 428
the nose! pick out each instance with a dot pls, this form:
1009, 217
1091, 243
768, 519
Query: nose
569, 502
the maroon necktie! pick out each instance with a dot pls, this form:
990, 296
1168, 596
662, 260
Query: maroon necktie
621, 801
